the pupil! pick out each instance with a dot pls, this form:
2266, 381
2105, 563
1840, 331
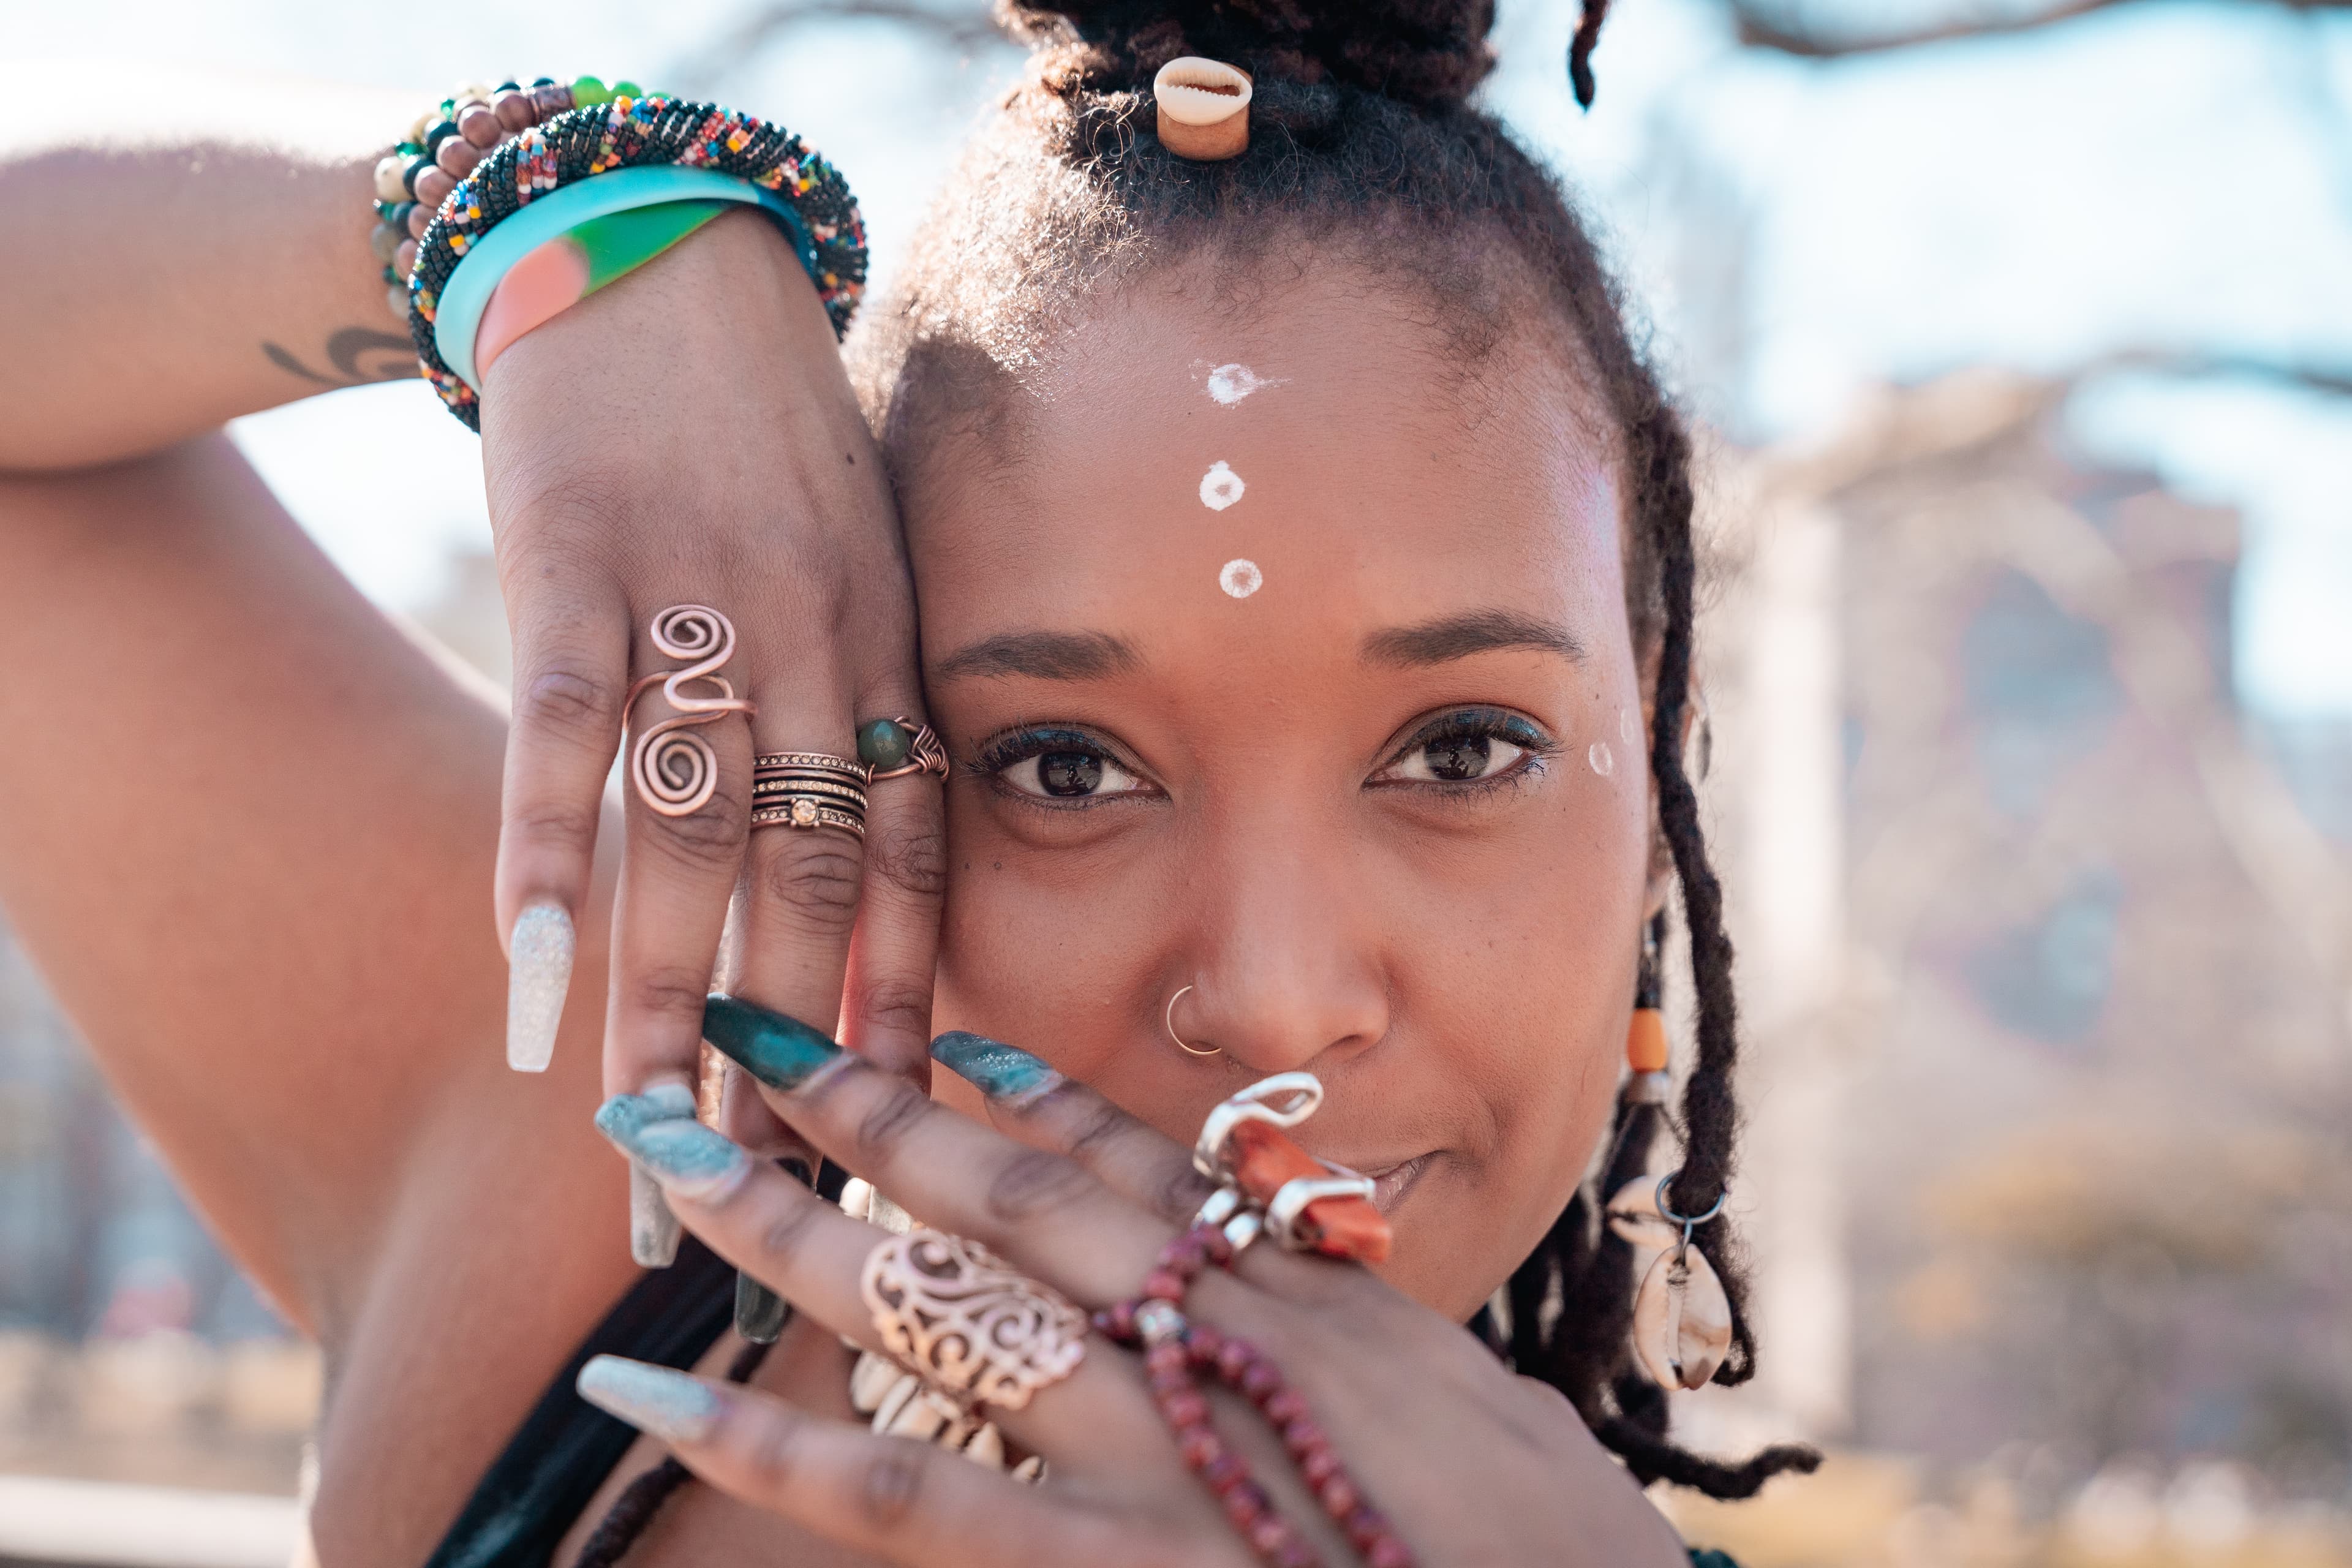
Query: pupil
1070, 773
1462, 757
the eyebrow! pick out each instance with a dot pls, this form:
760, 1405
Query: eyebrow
1475, 631
1042, 656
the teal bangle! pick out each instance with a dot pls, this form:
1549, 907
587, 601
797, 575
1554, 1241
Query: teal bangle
480, 271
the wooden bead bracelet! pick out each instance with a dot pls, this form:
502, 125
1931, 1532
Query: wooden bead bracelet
1178, 1354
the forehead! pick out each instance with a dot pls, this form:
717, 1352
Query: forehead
1323, 457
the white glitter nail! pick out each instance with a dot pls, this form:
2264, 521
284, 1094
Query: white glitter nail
1241, 578
1220, 487
671, 1405
538, 973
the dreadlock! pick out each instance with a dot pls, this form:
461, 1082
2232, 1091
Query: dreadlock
1362, 142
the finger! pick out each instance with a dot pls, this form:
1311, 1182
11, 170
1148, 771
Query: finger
893, 956
1043, 1210
814, 1255
678, 870
802, 882
572, 671
905, 1501
1029, 1102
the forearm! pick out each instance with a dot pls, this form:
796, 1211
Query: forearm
179, 250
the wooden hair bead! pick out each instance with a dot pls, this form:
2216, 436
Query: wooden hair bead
1204, 107
1646, 1041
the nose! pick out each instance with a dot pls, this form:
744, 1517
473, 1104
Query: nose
1286, 972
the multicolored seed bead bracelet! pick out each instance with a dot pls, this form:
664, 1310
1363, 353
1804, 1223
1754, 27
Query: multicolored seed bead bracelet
628, 132
447, 143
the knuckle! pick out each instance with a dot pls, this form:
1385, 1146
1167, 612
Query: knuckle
566, 825
1182, 1193
769, 1458
711, 837
1030, 1182
789, 1229
883, 1131
816, 882
567, 700
1104, 1125
892, 1485
668, 990
897, 1006
911, 857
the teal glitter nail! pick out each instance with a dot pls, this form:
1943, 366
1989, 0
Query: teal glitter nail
679, 1151
998, 1070
780, 1052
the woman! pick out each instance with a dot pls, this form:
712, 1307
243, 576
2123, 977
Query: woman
1303, 557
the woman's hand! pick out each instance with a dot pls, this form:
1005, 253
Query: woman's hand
687, 436
1469, 1464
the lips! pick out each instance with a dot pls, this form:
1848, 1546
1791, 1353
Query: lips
1391, 1185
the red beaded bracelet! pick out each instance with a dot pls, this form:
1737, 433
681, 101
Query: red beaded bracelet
1178, 1353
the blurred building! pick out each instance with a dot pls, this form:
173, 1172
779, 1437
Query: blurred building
2047, 951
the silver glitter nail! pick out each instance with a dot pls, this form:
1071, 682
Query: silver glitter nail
653, 1229
538, 973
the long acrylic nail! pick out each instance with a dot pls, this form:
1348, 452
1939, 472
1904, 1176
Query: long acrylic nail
538, 973
779, 1050
668, 1405
653, 1230
1002, 1072
679, 1151
760, 1313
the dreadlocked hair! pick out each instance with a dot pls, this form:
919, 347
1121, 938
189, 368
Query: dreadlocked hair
1362, 145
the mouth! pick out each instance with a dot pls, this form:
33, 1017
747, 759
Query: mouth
1390, 1186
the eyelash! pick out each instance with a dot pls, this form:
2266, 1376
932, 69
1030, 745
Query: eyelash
1018, 745
1474, 724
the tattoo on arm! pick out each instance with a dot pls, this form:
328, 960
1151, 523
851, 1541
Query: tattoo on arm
389, 356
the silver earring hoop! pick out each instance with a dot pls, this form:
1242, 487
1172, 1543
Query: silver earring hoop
1167, 1022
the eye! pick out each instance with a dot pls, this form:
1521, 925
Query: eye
1471, 746
1059, 765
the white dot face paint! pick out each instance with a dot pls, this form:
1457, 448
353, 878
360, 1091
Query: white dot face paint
1220, 487
1600, 757
1229, 383
1241, 578
1625, 729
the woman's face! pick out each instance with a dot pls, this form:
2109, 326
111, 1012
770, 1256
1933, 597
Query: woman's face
1286, 658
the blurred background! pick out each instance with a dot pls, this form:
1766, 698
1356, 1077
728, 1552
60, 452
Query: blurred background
2023, 333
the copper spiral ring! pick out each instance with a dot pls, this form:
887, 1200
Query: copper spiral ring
675, 771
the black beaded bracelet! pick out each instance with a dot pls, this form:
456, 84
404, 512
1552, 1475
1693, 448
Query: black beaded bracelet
629, 132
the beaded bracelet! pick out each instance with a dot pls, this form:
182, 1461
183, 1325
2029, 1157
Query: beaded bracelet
1178, 1352
632, 132
447, 143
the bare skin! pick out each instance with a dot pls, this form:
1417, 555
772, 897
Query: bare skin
1456, 961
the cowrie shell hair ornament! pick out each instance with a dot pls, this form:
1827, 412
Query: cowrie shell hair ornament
1204, 108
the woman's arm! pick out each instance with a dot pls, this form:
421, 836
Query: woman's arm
246, 828
177, 249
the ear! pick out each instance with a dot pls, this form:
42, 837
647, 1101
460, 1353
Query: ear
1662, 857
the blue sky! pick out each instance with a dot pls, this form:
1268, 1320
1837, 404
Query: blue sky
2155, 176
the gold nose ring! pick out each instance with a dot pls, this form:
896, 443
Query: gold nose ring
1167, 1022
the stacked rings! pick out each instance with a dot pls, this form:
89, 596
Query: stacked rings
809, 790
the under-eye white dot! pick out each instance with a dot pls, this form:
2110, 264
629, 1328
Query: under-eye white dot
1603, 762
1230, 383
1632, 737
1241, 578
1220, 487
